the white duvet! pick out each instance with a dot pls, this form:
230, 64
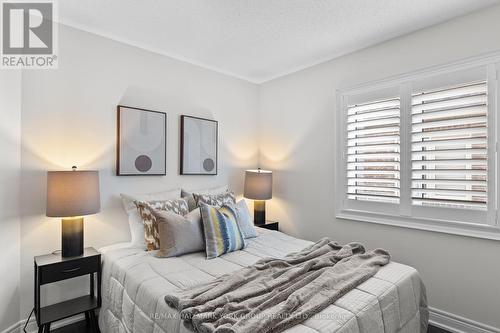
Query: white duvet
135, 283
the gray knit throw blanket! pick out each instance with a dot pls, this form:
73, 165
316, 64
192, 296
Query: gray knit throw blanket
276, 294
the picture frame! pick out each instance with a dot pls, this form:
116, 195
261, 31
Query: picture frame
198, 146
141, 142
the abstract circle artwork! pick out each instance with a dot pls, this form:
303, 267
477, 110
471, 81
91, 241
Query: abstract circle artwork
198, 146
141, 142
208, 164
143, 163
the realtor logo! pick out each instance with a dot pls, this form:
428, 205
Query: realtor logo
28, 34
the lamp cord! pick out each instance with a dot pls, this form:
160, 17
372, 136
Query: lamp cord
28, 320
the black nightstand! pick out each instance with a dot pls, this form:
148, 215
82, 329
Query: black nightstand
269, 225
51, 268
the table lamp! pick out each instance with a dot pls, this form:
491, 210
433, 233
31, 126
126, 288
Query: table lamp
258, 187
71, 195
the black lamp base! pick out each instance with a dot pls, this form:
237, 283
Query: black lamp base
259, 212
72, 237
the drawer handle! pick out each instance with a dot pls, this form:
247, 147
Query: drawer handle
71, 270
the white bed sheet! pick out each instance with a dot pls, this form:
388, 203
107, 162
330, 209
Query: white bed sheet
135, 282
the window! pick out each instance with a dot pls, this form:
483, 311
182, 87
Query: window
373, 151
420, 151
449, 147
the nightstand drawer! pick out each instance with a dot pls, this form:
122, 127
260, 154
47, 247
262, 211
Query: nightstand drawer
269, 225
68, 269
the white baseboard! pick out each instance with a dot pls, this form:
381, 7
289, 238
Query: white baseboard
15, 328
33, 328
457, 324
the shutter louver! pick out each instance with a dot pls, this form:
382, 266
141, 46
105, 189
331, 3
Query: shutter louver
449, 147
373, 151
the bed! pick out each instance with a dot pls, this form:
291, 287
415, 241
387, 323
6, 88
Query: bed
135, 283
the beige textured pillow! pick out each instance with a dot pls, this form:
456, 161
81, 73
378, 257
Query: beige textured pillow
134, 218
151, 234
179, 234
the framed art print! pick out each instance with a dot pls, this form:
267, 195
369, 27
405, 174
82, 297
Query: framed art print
141, 142
198, 146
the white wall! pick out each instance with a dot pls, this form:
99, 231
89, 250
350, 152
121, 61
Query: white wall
69, 118
298, 138
10, 157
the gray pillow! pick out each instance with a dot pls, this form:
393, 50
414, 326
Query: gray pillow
179, 234
244, 220
189, 197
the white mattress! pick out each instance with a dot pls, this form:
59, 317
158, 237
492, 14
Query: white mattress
135, 283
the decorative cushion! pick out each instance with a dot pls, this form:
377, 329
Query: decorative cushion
179, 234
134, 218
221, 231
128, 199
189, 196
245, 221
151, 235
217, 200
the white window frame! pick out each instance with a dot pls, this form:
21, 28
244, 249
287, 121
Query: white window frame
446, 220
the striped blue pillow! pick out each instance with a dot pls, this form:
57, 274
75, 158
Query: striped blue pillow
222, 234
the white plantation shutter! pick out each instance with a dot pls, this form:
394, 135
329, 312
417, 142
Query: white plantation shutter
373, 136
420, 150
449, 155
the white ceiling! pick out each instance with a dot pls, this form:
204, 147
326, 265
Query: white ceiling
258, 40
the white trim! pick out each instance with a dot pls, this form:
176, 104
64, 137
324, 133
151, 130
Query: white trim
471, 62
479, 231
405, 150
457, 324
14, 328
496, 139
492, 142
33, 328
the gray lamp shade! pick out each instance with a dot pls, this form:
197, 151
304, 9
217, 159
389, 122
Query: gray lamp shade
258, 184
72, 193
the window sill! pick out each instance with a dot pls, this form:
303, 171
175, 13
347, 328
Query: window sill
453, 228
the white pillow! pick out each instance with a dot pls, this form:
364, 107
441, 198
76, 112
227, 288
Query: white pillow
134, 218
244, 220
